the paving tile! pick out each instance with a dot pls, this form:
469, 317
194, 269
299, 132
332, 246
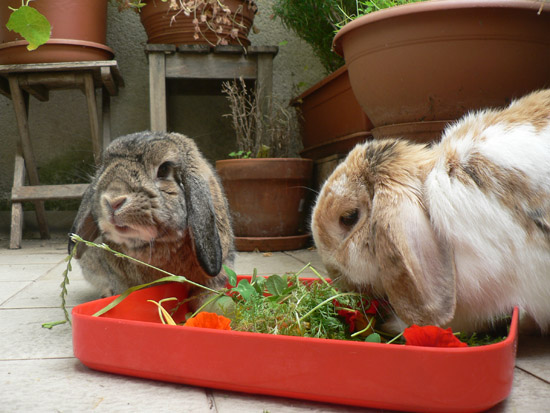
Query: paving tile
56, 272
308, 256
266, 264
23, 337
23, 272
10, 288
534, 356
529, 394
26, 257
231, 402
65, 385
46, 294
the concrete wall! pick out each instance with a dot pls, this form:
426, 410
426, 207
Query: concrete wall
60, 130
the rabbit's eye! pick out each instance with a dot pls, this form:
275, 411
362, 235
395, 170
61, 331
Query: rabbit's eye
165, 170
350, 218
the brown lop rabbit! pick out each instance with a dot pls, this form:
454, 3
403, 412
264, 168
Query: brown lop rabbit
154, 198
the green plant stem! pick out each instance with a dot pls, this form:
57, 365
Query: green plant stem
65, 282
395, 338
105, 247
328, 300
324, 280
219, 294
357, 333
53, 324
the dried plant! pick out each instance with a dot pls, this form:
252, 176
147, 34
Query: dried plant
208, 16
269, 133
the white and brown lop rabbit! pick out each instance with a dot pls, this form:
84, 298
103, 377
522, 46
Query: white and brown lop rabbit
453, 234
154, 198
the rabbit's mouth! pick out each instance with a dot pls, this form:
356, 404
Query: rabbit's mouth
129, 235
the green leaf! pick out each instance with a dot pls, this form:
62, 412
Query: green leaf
259, 285
263, 152
373, 338
223, 305
245, 289
31, 24
231, 275
275, 285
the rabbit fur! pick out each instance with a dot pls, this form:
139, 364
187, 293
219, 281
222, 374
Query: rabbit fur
154, 198
455, 233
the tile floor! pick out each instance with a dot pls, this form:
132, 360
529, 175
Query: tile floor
38, 372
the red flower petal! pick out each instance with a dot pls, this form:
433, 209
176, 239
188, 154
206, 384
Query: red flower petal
431, 336
372, 307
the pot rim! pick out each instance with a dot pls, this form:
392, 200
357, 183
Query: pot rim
431, 6
265, 160
62, 42
327, 79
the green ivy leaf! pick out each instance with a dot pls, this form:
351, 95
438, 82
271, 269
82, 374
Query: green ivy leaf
31, 24
373, 338
275, 285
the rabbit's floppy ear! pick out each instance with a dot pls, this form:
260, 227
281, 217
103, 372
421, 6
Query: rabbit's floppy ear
419, 271
201, 220
84, 224
417, 267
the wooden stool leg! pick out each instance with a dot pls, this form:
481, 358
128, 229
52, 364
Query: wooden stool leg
16, 231
20, 104
93, 115
106, 116
157, 92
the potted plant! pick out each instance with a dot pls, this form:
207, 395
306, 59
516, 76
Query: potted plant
81, 37
332, 121
210, 22
416, 67
266, 189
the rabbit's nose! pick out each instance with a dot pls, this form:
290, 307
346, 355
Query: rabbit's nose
116, 203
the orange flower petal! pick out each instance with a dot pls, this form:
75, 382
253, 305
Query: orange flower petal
209, 320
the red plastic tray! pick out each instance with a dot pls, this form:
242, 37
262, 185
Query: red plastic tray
130, 340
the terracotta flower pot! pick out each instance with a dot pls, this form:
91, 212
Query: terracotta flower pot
267, 199
78, 33
332, 121
434, 61
166, 26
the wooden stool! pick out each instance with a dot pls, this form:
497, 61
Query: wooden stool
202, 62
18, 82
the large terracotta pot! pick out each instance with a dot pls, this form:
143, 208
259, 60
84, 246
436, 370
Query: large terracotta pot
166, 26
332, 122
433, 61
267, 199
78, 33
